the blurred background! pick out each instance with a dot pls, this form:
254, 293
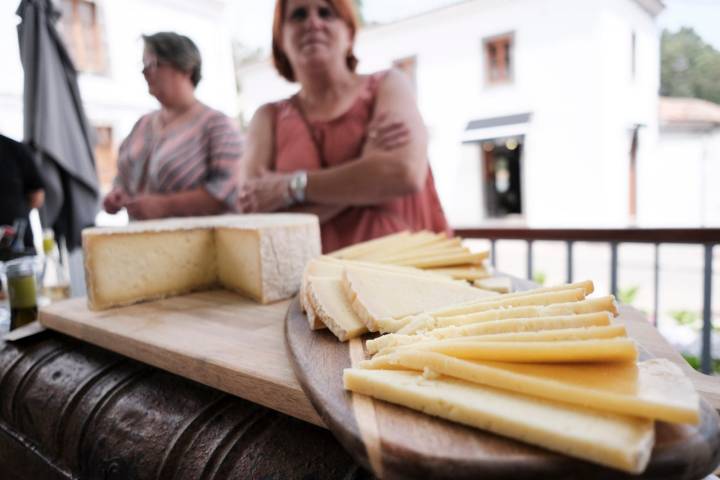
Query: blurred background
543, 114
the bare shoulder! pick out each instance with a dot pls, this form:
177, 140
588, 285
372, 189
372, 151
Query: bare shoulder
395, 81
264, 115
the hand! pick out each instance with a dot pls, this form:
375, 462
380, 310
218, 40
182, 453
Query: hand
145, 207
387, 132
115, 200
267, 193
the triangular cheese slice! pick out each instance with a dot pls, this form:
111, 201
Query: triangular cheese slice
655, 389
608, 439
332, 307
379, 295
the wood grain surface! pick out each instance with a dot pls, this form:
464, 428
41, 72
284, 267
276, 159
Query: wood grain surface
216, 338
396, 442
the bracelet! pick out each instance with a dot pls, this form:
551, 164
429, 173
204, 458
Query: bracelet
298, 183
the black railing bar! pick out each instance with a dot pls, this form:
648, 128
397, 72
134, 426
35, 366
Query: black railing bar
493, 252
530, 260
614, 268
569, 261
678, 236
656, 286
706, 353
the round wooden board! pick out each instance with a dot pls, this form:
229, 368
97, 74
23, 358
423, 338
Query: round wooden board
414, 445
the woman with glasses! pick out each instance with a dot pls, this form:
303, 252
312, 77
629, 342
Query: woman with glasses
181, 159
351, 148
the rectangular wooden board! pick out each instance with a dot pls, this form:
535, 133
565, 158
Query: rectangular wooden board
216, 338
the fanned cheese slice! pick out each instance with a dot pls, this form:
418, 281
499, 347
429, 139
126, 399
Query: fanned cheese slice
495, 284
332, 307
444, 259
569, 351
330, 267
425, 322
608, 439
378, 295
463, 272
655, 389
582, 326
392, 243
587, 286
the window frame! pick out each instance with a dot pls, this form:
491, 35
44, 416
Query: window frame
508, 39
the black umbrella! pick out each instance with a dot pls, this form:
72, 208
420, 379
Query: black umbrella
56, 127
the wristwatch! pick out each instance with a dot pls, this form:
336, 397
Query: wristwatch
298, 182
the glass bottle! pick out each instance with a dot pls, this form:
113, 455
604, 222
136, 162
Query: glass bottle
22, 291
55, 278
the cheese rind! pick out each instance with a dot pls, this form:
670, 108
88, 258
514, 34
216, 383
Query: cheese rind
260, 256
332, 307
608, 439
655, 389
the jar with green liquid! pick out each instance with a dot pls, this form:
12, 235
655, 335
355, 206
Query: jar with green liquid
22, 291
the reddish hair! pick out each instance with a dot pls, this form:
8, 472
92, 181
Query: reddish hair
345, 10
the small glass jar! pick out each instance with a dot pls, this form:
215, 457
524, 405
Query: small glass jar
22, 291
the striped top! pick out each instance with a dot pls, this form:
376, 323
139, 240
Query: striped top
201, 148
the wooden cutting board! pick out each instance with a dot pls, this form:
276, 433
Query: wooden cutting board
216, 338
396, 442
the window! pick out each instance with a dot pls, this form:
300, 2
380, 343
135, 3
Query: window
105, 156
499, 59
409, 66
83, 35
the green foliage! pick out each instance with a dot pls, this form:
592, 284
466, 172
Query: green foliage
689, 66
628, 295
686, 318
539, 278
695, 362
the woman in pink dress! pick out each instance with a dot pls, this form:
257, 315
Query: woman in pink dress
351, 148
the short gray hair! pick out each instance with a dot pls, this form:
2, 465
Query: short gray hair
177, 50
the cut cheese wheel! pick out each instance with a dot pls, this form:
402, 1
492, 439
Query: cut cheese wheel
332, 307
506, 325
603, 350
378, 295
608, 439
425, 322
655, 389
260, 256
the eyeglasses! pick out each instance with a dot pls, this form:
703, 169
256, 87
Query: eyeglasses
151, 65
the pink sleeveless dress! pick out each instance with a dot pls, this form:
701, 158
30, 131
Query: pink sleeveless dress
341, 140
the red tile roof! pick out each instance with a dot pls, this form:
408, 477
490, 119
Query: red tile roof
693, 111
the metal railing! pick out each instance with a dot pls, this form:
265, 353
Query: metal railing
707, 237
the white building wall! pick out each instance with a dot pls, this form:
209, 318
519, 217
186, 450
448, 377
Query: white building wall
119, 98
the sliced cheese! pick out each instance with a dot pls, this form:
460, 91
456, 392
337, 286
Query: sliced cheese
608, 439
419, 254
570, 351
425, 322
443, 260
378, 295
495, 284
468, 307
332, 307
655, 389
494, 326
462, 272
388, 244
360, 249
